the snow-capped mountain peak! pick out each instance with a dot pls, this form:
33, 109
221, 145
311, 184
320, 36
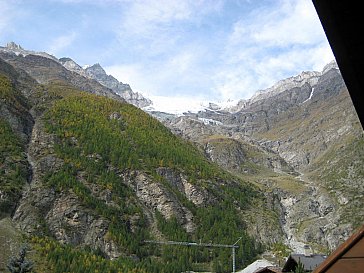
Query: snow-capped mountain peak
16, 49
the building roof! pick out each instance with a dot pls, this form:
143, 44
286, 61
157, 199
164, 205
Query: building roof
309, 262
256, 265
343, 25
351, 244
268, 269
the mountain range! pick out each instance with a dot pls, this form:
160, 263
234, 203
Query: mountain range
309, 129
87, 175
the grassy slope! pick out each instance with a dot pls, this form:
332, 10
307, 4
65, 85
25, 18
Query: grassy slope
329, 121
254, 165
340, 172
336, 153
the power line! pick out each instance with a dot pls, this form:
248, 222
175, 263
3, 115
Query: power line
190, 244
233, 246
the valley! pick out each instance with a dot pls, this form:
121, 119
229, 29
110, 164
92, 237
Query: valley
89, 174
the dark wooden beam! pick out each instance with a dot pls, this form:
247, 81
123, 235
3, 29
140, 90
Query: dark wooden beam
343, 23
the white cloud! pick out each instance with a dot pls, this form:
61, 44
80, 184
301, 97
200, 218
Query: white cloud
289, 23
186, 64
60, 43
8, 13
179, 74
266, 45
157, 27
3, 18
145, 13
145, 16
133, 74
269, 45
192, 47
165, 61
294, 22
90, 2
182, 62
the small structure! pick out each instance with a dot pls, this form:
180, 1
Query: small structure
308, 260
348, 257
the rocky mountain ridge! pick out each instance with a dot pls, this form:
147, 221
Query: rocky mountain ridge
89, 177
95, 72
306, 77
294, 124
100, 175
14, 48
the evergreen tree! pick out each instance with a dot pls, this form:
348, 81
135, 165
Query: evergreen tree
20, 264
299, 268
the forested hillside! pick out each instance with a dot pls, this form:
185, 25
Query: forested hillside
94, 178
89, 181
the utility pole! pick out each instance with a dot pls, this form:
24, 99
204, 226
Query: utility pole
233, 249
200, 245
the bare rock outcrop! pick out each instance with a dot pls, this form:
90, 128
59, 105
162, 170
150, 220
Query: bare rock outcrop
156, 197
43, 210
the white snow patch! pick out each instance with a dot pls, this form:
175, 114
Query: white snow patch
227, 104
180, 105
18, 53
208, 121
176, 105
313, 89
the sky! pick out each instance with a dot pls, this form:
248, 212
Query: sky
188, 50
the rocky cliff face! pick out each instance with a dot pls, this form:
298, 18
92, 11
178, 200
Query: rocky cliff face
13, 48
290, 128
42, 210
16, 123
96, 72
45, 70
73, 66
